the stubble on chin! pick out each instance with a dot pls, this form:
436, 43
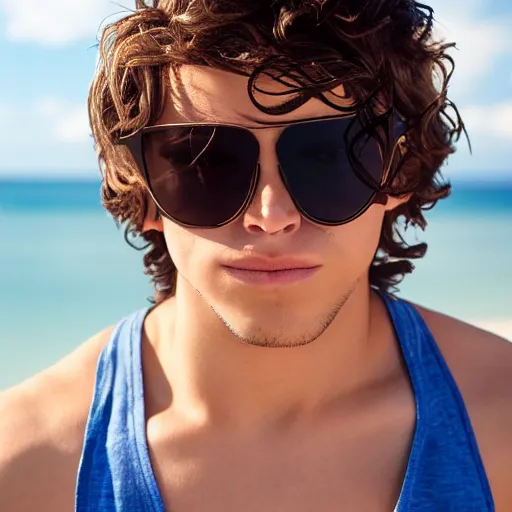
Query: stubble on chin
261, 337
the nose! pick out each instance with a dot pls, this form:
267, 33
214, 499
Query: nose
272, 210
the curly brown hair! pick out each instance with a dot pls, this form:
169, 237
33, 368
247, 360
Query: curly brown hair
382, 51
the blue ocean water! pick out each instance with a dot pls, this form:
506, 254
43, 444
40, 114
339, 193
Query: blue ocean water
66, 271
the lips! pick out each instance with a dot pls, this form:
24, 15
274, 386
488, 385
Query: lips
271, 264
265, 271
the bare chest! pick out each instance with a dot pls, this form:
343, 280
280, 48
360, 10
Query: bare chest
302, 474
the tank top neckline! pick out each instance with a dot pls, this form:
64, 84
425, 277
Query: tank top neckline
396, 309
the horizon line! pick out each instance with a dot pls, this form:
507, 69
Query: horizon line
485, 177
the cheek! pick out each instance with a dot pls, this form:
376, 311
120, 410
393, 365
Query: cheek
180, 245
358, 240
190, 252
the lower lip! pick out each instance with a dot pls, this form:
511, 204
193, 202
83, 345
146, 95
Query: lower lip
288, 276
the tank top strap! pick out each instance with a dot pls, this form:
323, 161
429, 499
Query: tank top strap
115, 471
445, 466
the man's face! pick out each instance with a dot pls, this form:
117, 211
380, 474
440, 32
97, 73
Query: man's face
270, 313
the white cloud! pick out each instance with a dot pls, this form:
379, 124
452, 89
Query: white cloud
56, 22
481, 41
6, 114
483, 44
46, 137
68, 122
490, 121
4, 110
490, 131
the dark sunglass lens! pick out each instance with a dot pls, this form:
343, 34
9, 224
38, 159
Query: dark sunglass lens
316, 168
201, 175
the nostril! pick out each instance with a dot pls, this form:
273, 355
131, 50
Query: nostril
271, 228
254, 228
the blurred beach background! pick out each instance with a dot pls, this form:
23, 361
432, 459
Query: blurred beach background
66, 271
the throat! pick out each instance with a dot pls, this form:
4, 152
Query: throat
353, 457
218, 378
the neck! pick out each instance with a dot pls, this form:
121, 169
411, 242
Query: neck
216, 377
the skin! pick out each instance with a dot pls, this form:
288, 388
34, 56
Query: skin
321, 404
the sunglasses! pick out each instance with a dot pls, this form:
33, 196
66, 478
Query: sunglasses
205, 175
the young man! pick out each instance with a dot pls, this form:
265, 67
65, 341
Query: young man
265, 150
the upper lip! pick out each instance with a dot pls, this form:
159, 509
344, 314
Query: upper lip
264, 264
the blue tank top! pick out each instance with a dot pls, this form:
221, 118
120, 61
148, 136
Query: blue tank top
444, 473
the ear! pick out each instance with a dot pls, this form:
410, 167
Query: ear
394, 202
153, 220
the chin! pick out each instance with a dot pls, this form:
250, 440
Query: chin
274, 328
267, 336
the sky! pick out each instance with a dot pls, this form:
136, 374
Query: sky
48, 57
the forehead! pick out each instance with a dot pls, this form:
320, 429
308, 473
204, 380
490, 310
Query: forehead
201, 94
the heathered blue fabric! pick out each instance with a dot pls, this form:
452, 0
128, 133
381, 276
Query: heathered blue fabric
445, 472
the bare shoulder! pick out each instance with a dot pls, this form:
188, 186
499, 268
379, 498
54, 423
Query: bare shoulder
42, 424
481, 364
